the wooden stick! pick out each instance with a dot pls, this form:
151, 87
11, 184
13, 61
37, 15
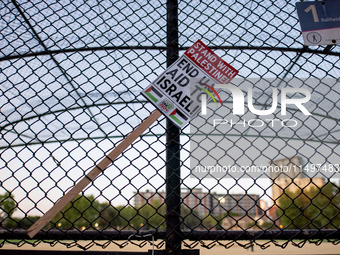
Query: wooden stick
60, 204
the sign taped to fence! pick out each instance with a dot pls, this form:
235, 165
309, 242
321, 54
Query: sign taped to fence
170, 92
320, 22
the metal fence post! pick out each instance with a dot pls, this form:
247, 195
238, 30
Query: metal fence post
173, 208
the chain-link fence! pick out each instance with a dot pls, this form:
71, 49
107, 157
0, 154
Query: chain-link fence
71, 77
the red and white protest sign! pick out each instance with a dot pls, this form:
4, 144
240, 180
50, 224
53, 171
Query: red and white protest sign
210, 63
170, 92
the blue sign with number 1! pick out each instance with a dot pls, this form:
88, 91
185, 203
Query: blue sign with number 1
320, 21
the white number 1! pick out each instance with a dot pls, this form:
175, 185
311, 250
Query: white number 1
315, 14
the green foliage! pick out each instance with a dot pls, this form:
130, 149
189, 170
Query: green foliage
312, 209
153, 215
89, 213
268, 225
7, 208
127, 216
209, 221
148, 216
7, 205
108, 216
190, 217
252, 224
85, 212
230, 213
81, 212
24, 223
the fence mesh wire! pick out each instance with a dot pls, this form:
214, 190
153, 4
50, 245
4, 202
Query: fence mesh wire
71, 77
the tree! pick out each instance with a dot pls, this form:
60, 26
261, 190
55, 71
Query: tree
311, 209
108, 216
219, 218
153, 215
190, 218
148, 216
24, 223
127, 218
209, 222
7, 207
81, 212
